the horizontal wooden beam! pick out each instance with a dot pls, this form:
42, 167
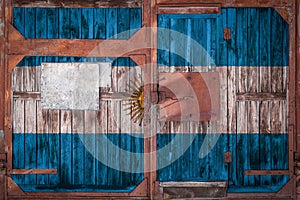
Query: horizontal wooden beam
189, 10
34, 171
27, 95
104, 96
231, 3
194, 184
78, 3
260, 96
266, 172
18, 45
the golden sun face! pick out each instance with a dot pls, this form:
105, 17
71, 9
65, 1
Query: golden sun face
136, 104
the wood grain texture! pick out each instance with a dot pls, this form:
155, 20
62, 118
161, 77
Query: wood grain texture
253, 116
78, 4
190, 10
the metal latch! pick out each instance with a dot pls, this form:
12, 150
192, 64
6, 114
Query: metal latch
3, 161
227, 157
227, 35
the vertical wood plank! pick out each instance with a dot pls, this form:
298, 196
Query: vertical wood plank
19, 138
253, 140
242, 160
123, 23
41, 23
135, 16
17, 84
101, 150
99, 23
64, 22
265, 86
66, 146
75, 23
265, 140
77, 147
52, 22
253, 84
231, 105
54, 144
87, 21
278, 145
185, 160
175, 147
30, 23
111, 26
125, 122
30, 139
135, 73
42, 142
163, 37
276, 52
89, 142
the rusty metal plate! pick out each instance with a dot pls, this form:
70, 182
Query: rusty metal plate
189, 96
72, 86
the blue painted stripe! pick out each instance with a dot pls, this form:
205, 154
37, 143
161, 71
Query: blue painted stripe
74, 188
250, 43
59, 156
77, 23
245, 156
32, 61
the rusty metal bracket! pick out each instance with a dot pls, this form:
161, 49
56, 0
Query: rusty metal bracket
227, 157
227, 35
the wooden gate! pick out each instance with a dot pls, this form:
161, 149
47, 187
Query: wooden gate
249, 49
245, 141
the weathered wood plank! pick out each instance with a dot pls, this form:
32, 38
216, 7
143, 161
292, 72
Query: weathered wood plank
279, 147
78, 150
30, 139
189, 9
85, 47
30, 23
18, 137
232, 73
66, 148
262, 96
78, 3
101, 150
42, 142
242, 150
231, 87
265, 140
17, 84
34, 171
89, 143
253, 140
253, 50
55, 144
136, 73
99, 26
266, 172
230, 3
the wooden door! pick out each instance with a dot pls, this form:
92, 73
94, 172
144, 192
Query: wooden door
248, 48
60, 150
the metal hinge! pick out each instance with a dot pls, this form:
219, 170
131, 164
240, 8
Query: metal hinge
227, 35
3, 161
